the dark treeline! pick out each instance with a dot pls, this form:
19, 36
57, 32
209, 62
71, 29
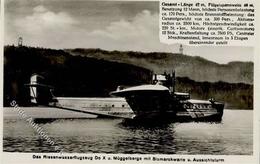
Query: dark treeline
82, 76
194, 67
70, 75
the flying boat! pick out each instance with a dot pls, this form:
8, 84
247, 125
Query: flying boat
155, 101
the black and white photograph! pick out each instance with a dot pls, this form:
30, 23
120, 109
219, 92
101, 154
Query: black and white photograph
86, 77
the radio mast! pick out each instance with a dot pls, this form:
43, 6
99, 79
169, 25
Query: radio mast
20, 42
181, 49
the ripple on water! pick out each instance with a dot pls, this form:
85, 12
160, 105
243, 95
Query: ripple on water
233, 136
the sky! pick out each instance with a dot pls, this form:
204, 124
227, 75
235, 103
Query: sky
109, 25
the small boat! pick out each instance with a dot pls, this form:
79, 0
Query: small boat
160, 101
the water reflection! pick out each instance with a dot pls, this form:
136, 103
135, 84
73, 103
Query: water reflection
115, 136
147, 139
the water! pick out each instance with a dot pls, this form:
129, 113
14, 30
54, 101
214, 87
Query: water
233, 136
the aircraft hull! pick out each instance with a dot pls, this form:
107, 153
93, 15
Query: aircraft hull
98, 106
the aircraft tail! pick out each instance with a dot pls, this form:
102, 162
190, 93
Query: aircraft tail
40, 93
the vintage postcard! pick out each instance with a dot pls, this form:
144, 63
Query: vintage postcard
130, 81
